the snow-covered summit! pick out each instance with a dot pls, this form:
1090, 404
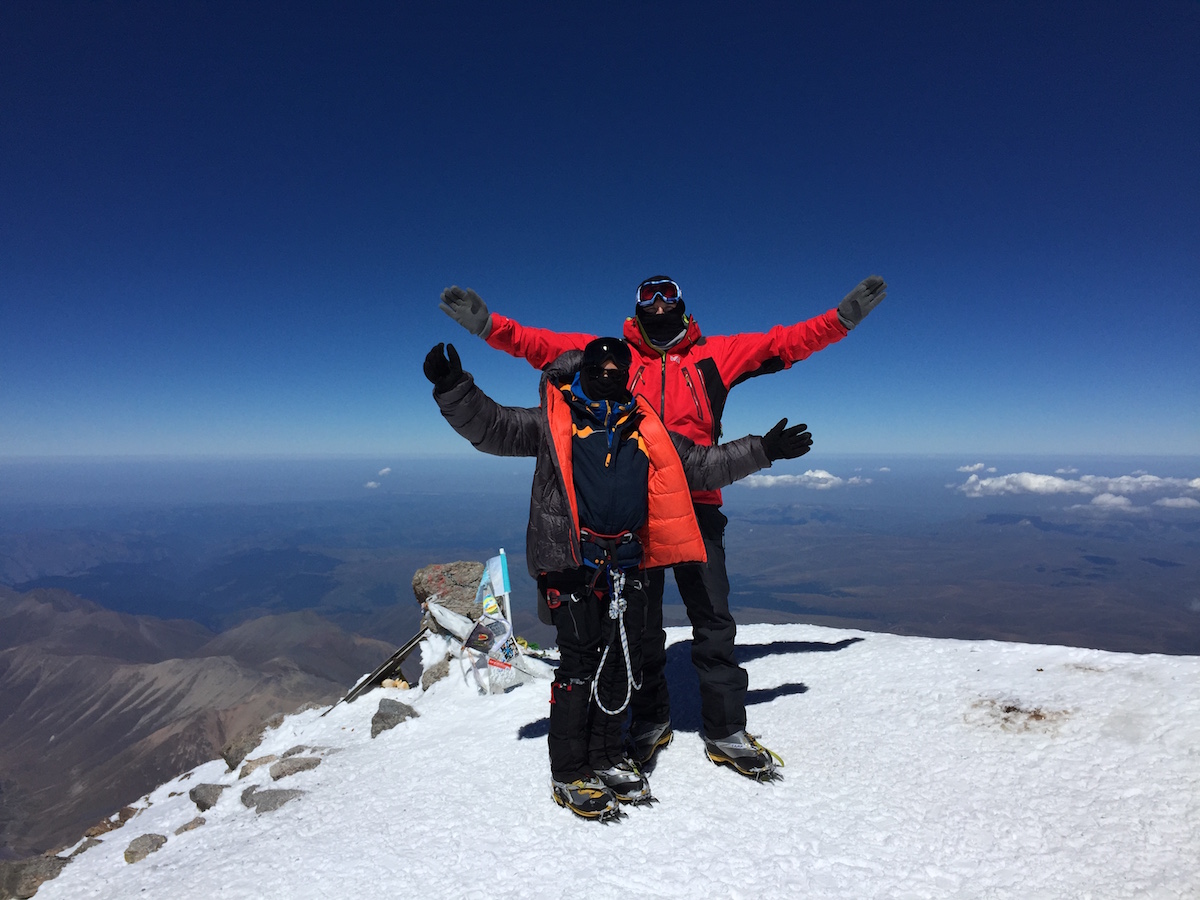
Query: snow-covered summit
915, 768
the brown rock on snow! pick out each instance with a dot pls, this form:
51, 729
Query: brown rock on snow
453, 585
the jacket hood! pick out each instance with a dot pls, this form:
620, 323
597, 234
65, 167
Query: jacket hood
562, 370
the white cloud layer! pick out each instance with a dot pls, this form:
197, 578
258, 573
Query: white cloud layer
371, 484
387, 471
814, 479
1031, 483
1178, 502
1112, 501
1108, 494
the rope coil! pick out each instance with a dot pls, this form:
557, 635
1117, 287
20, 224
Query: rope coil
616, 610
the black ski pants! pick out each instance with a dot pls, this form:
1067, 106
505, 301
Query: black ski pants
583, 737
705, 593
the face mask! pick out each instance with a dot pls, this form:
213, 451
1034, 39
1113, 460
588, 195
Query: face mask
664, 327
604, 384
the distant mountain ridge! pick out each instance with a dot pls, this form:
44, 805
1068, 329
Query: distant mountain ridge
96, 706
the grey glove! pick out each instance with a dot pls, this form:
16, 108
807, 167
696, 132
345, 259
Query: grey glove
786, 443
860, 301
467, 309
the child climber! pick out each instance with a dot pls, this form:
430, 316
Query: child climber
611, 498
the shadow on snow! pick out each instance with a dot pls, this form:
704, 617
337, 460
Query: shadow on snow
684, 684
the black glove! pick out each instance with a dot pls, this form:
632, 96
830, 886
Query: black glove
860, 301
467, 309
443, 372
786, 443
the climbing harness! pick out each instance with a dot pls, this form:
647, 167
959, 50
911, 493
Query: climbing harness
617, 604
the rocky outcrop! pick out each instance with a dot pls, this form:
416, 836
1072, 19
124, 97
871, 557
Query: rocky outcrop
141, 847
20, 880
292, 765
390, 714
435, 673
113, 822
190, 826
268, 801
239, 747
257, 762
454, 585
205, 796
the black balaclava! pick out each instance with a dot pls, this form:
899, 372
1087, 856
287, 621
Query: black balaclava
598, 385
662, 328
665, 328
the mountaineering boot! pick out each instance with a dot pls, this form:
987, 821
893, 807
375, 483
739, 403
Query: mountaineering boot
589, 798
648, 738
627, 782
745, 754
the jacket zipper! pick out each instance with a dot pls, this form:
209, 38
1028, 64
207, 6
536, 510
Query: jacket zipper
662, 395
687, 379
636, 378
556, 464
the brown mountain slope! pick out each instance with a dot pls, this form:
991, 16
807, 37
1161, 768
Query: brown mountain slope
66, 625
82, 734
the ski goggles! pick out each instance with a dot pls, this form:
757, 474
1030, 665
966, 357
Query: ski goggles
602, 349
599, 373
658, 289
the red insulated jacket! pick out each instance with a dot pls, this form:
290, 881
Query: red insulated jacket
688, 383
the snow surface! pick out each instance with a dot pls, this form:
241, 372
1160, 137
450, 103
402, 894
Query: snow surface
916, 768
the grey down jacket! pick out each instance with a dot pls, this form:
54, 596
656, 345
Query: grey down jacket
552, 541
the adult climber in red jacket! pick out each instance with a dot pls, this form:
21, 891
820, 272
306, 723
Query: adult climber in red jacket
686, 377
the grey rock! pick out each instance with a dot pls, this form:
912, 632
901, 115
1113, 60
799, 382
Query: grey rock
435, 673
205, 796
292, 765
190, 826
252, 764
299, 748
390, 714
454, 584
87, 845
268, 801
242, 744
141, 847
22, 877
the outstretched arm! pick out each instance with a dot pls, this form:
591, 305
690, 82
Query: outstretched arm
490, 427
742, 356
718, 466
538, 346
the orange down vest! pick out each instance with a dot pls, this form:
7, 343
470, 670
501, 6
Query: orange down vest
671, 534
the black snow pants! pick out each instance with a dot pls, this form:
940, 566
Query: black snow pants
705, 593
583, 737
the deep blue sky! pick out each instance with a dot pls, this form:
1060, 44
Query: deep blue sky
224, 226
